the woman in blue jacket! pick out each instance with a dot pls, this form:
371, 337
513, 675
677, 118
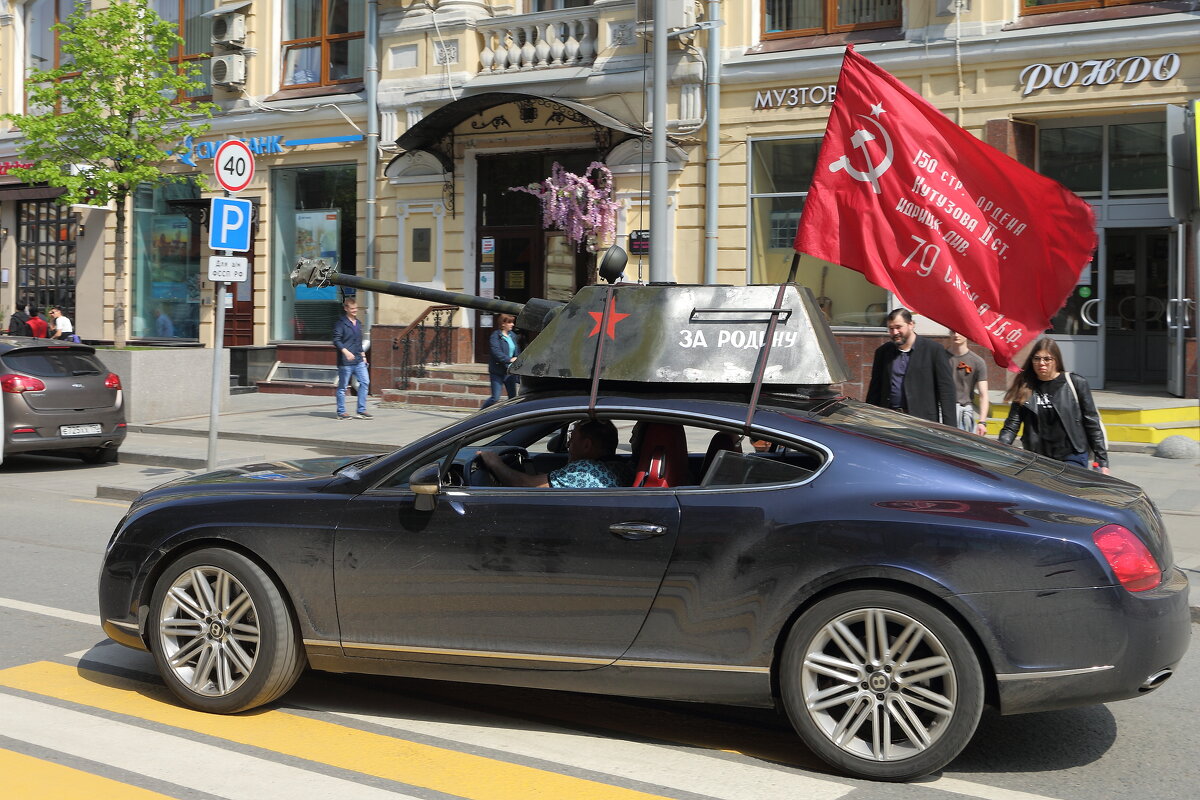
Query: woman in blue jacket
504, 349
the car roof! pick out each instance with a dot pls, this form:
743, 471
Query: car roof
10, 343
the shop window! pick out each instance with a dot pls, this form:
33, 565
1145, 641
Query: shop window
322, 42
1126, 159
196, 31
46, 234
1048, 6
785, 18
165, 296
315, 216
781, 172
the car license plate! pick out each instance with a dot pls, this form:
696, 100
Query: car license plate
80, 430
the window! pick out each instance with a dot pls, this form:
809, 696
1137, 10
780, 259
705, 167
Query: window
42, 49
780, 174
46, 234
1047, 6
165, 295
322, 42
1118, 160
782, 18
196, 31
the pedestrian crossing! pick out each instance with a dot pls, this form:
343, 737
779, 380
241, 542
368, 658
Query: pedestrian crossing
127, 723
100, 726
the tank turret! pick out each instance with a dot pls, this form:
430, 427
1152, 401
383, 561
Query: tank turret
653, 333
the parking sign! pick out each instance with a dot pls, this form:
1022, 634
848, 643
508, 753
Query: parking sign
229, 224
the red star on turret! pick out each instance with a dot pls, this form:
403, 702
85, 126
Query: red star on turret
613, 319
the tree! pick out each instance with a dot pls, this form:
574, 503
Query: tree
110, 116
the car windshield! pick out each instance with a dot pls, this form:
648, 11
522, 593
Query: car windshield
915, 433
53, 363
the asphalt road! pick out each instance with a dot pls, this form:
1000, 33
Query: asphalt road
82, 717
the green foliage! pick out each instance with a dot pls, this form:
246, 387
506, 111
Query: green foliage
116, 116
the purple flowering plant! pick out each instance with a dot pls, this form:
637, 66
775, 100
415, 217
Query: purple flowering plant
581, 206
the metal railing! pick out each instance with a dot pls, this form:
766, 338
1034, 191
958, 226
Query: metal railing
544, 40
428, 340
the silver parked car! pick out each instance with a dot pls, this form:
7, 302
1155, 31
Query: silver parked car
58, 397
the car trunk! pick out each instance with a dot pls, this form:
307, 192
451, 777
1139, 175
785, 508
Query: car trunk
74, 379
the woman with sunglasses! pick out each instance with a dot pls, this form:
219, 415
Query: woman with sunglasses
1054, 410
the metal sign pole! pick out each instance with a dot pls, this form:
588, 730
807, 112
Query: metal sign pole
214, 410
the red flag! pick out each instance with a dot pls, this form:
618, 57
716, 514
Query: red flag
957, 230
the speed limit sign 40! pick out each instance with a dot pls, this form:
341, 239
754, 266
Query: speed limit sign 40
234, 165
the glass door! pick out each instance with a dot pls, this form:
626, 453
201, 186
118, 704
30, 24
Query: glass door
1076, 327
1136, 290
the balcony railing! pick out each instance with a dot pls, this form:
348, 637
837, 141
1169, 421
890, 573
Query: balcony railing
546, 40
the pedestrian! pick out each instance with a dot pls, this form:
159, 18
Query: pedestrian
1054, 410
970, 379
911, 374
503, 348
18, 323
38, 326
351, 359
63, 329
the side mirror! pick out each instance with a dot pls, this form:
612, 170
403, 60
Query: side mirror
426, 484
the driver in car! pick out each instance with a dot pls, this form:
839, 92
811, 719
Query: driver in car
590, 444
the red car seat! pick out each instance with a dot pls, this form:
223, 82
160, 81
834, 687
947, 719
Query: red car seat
662, 457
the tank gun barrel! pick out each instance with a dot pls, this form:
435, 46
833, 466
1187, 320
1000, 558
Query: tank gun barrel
531, 316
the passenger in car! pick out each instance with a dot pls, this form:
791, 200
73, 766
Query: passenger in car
590, 444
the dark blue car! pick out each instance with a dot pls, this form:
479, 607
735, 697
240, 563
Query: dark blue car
879, 577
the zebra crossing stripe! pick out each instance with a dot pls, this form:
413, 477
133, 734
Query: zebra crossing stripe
164, 757
441, 769
29, 778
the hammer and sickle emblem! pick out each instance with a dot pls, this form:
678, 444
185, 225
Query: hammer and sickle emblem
859, 141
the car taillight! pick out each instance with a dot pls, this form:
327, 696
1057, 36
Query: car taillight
112, 381
1131, 562
15, 384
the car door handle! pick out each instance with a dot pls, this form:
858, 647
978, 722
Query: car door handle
636, 531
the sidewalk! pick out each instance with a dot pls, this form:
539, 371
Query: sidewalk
273, 427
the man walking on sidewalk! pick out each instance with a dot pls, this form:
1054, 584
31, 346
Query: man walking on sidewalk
351, 359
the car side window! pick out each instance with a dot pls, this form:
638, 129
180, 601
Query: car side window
770, 462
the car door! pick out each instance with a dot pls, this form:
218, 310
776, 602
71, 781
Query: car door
493, 576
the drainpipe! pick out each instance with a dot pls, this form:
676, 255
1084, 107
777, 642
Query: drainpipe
371, 62
660, 270
712, 183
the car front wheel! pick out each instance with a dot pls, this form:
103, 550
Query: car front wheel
221, 633
881, 685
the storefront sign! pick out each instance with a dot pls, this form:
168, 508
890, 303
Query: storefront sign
639, 243
794, 96
1098, 72
202, 151
5, 166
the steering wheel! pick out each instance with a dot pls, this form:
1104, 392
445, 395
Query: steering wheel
512, 456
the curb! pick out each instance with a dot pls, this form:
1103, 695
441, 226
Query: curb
334, 447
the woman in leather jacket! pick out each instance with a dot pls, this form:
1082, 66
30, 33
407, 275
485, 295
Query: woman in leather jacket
1057, 422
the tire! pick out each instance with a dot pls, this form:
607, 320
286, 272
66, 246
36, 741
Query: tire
874, 712
221, 633
100, 455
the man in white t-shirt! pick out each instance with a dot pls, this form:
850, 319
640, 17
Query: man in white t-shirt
62, 324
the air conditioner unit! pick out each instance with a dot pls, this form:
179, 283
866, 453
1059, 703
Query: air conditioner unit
229, 29
680, 14
229, 70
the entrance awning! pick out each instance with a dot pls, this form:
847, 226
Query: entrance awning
26, 192
427, 133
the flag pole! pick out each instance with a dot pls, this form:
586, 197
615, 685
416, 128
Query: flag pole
792, 271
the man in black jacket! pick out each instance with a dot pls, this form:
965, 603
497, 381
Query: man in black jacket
912, 375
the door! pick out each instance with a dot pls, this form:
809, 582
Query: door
1137, 282
1178, 318
519, 578
239, 307
1076, 327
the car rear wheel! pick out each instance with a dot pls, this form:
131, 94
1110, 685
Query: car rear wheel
222, 634
881, 685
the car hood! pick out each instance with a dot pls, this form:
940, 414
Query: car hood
260, 477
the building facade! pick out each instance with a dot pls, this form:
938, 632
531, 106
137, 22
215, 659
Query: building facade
390, 135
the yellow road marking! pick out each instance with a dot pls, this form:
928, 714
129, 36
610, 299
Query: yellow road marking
441, 769
29, 778
98, 502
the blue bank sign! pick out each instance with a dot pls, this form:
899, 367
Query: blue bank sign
196, 152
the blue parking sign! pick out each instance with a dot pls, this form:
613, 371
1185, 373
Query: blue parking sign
229, 224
